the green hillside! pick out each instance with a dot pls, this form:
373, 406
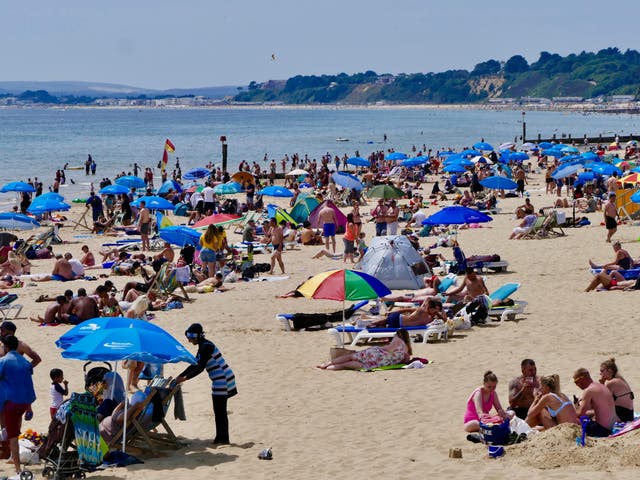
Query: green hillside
586, 75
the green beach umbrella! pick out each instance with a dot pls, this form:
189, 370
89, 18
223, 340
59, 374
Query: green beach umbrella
385, 191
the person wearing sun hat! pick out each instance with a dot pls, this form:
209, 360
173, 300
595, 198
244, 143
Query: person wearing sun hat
223, 380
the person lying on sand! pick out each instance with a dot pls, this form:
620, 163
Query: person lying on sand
62, 272
53, 313
215, 282
612, 281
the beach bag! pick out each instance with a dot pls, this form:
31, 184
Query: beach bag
478, 310
248, 271
495, 433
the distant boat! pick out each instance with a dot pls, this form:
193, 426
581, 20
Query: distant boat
76, 167
340, 139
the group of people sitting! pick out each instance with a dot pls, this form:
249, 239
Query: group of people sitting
540, 402
609, 276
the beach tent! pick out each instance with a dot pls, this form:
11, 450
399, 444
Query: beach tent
280, 214
395, 262
342, 219
303, 207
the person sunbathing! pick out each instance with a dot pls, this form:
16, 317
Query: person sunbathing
53, 313
62, 272
214, 283
426, 313
611, 281
470, 289
622, 260
551, 407
13, 265
397, 351
326, 253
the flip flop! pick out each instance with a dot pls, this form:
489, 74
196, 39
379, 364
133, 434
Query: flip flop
42, 298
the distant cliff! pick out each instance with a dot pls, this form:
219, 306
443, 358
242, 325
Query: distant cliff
586, 75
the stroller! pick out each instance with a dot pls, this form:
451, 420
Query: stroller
74, 446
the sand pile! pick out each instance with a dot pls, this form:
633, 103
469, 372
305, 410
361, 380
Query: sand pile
556, 448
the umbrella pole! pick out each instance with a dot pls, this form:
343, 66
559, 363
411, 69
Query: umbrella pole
126, 404
344, 323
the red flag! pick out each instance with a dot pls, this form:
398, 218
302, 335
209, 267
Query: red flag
168, 146
165, 160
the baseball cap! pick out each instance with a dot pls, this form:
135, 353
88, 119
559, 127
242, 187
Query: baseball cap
7, 325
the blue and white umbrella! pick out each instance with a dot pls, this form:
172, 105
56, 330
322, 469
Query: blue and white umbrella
347, 180
498, 183
456, 215
180, 235
17, 187
227, 188
196, 173
153, 202
168, 186
396, 156
131, 181
565, 171
276, 191
483, 146
88, 327
114, 190
17, 221
358, 162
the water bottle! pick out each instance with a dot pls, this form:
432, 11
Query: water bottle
584, 420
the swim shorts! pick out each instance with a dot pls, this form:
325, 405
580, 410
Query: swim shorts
394, 320
594, 429
610, 222
13, 417
329, 230
59, 278
145, 228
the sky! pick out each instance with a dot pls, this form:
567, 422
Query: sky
163, 44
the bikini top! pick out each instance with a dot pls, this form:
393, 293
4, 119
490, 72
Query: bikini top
615, 397
554, 413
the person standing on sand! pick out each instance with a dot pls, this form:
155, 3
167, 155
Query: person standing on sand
144, 226
610, 216
223, 380
327, 218
276, 237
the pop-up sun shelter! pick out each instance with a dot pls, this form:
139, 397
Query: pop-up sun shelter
395, 262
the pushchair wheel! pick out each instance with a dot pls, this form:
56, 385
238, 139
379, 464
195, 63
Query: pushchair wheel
48, 472
79, 475
26, 475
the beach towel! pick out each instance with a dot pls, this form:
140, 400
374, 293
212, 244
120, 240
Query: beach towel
84, 411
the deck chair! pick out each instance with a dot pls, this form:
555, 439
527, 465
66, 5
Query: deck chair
166, 283
83, 222
537, 226
355, 335
151, 415
506, 312
243, 221
552, 226
8, 309
481, 266
302, 321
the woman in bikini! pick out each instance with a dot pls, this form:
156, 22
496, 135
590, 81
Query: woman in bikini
551, 407
620, 389
397, 351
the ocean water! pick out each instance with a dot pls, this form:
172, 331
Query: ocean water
35, 142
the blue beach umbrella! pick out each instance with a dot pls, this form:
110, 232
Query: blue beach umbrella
347, 180
180, 235
456, 215
47, 197
17, 187
276, 191
586, 176
589, 156
17, 221
396, 156
413, 162
227, 188
142, 345
196, 173
470, 153
635, 198
130, 181
154, 202
92, 325
483, 146
358, 162
553, 152
446, 154
569, 150
565, 171
47, 205
454, 168
169, 185
545, 145
114, 190
605, 168
518, 156
498, 183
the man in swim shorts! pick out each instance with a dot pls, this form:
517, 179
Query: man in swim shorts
610, 216
327, 218
426, 313
144, 226
596, 398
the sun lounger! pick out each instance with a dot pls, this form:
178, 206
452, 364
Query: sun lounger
482, 266
299, 321
355, 334
8, 309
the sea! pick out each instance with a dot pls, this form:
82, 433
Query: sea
34, 142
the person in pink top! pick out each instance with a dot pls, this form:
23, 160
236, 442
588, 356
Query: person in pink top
481, 401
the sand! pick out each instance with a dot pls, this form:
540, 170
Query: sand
396, 424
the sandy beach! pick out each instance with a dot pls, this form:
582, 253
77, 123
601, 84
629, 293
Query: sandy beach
396, 424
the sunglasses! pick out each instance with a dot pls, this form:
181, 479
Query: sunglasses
578, 378
191, 335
